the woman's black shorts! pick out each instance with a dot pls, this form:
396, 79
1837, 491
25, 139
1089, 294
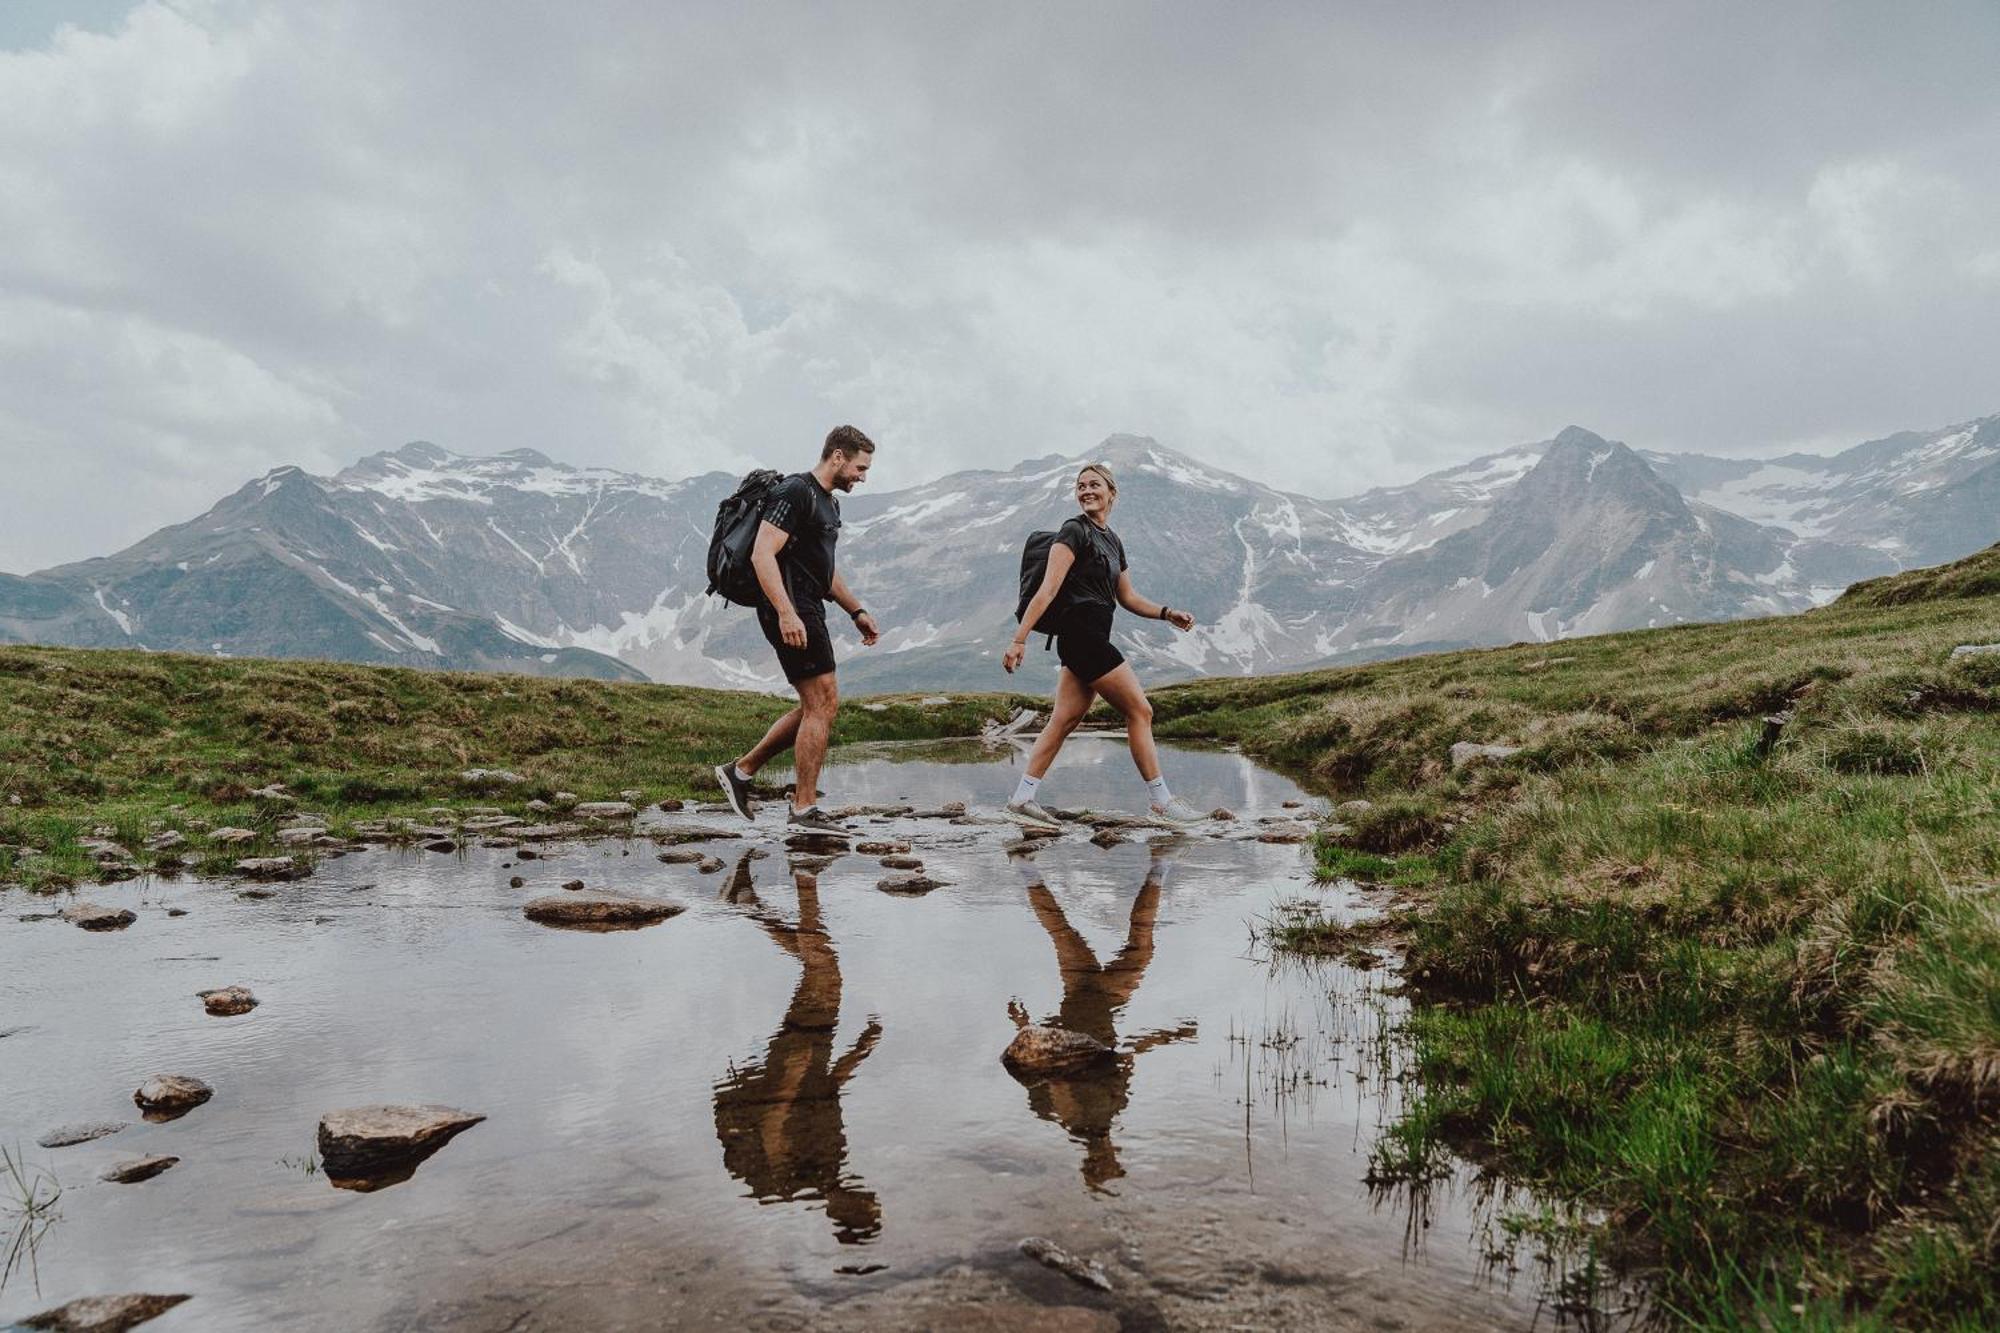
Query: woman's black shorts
1085, 647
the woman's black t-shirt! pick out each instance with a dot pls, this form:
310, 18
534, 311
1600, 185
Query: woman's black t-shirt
1092, 582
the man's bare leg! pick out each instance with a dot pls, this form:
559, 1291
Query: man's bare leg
776, 741
819, 700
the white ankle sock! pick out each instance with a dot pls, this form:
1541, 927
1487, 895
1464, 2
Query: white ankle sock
1024, 790
1157, 789
741, 776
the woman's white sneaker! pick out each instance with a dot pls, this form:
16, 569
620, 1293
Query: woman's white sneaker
1029, 814
1178, 812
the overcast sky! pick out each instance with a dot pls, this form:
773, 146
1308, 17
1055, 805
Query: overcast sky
1329, 247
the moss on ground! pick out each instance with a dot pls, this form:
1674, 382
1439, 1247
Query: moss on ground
1738, 985
145, 742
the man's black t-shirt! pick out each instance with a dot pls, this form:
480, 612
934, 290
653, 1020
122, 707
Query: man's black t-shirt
1100, 558
810, 516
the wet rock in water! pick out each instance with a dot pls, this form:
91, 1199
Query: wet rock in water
691, 833
601, 911
228, 1001
1108, 837
758, 853
135, 1169
883, 847
272, 867
256, 894
710, 864
62, 1136
177, 911
500, 844
886, 811
103, 1314
527, 854
1118, 821
910, 884
1471, 752
367, 1147
170, 1096
440, 845
1291, 805
824, 843
671, 805
811, 862
682, 856
515, 882
606, 810
901, 863
161, 842
949, 810
574, 885
230, 837
1222, 814
491, 777
92, 916
1051, 1255
979, 821
1285, 833
1047, 1049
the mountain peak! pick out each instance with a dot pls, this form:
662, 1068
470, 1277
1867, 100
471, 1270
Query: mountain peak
1576, 437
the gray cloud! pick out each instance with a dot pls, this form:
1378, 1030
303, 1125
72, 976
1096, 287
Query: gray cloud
1329, 250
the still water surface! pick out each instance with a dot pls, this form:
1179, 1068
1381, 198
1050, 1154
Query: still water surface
784, 1108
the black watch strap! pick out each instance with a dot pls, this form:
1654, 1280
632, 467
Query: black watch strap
857, 613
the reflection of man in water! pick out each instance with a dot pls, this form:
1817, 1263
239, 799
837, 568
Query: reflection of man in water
779, 1120
1094, 994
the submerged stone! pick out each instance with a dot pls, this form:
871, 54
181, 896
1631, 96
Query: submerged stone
62, 1136
228, 1001
92, 916
136, 1169
103, 1314
909, 885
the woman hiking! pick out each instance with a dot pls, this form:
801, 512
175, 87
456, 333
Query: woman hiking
1087, 563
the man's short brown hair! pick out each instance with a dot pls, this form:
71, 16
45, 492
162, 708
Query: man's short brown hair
846, 440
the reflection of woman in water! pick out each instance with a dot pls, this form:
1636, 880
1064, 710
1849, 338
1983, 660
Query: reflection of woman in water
1089, 1102
779, 1119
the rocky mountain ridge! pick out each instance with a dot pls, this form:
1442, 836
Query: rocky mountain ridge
424, 557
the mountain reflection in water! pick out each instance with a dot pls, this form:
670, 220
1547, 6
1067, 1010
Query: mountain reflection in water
779, 1118
1087, 1103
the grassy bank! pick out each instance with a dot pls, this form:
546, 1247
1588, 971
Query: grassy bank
1737, 983
140, 742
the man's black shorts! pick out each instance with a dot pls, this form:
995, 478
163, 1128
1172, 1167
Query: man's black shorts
816, 658
1084, 645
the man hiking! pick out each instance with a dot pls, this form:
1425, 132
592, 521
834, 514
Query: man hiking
793, 560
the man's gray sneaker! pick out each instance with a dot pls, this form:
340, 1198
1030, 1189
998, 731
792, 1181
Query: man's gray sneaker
734, 789
818, 823
1178, 812
1028, 814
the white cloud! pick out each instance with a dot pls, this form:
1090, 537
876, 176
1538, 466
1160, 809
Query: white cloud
1328, 250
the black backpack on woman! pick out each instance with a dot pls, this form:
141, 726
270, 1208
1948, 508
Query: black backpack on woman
1035, 568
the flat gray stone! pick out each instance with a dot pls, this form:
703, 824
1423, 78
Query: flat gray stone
1471, 752
271, 867
909, 884
1051, 1255
1975, 649
546, 832
62, 1136
103, 1314
679, 833
607, 810
682, 856
135, 1169
228, 1001
229, 836
599, 910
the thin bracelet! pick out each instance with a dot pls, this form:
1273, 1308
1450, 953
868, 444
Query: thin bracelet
857, 613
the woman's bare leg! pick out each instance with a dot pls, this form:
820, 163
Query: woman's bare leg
1121, 689
1073, 700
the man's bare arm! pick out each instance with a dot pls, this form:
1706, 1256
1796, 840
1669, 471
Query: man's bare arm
848, 602
771, 539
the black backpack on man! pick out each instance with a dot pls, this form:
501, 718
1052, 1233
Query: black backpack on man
735, 537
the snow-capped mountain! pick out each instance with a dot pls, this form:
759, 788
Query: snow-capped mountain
425, 557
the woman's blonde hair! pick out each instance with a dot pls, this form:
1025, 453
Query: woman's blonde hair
1103, 470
